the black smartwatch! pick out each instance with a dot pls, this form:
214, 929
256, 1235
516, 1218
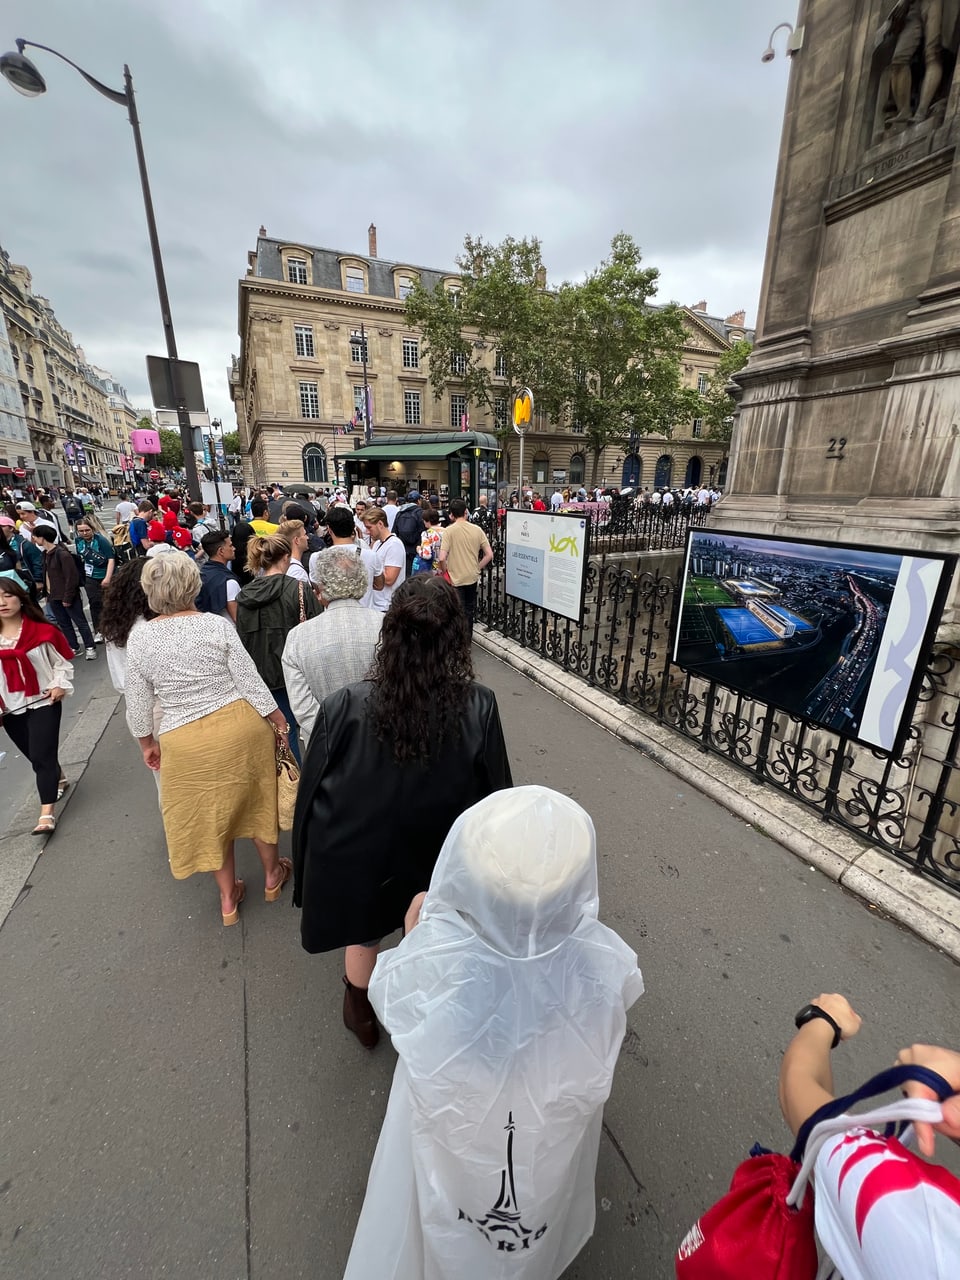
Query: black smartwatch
811, 1011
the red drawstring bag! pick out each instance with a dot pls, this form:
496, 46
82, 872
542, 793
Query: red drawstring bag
753, 1231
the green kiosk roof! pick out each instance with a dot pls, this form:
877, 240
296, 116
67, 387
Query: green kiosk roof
403, 452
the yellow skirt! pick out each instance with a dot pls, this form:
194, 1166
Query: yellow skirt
218, 782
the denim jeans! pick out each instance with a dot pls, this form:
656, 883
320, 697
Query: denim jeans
70, 616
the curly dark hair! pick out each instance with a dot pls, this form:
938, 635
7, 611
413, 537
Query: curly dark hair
423, 670
124, 602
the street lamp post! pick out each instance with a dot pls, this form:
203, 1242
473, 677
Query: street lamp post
26, 79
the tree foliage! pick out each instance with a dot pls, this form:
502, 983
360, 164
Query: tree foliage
171, 450
231, 442
500, 303
597, 353
618, 356
718, 404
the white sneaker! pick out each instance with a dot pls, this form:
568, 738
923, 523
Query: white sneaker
98, 638
91, 655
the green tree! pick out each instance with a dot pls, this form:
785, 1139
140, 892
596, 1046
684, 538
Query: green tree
617, 360
501, 304
718, 404
171, 450
231, 442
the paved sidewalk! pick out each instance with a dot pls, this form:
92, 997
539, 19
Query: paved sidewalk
181, 1100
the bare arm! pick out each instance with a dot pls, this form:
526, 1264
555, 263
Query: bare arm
806, 1076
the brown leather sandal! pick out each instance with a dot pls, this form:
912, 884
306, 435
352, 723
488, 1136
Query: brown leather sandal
286, 867
233, 916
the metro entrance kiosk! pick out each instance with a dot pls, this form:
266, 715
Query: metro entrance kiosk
454, 464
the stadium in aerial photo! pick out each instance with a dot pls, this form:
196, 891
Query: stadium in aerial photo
797, 625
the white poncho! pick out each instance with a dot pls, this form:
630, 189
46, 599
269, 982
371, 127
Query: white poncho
507, 1006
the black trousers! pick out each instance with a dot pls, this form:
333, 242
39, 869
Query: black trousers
36, 733
468, 598
68, 616
94, 590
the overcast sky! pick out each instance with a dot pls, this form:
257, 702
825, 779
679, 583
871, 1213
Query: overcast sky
565, 119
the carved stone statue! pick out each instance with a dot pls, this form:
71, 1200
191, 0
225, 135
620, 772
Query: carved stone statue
915, 25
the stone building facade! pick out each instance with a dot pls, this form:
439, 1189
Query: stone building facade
297, 384
63, 400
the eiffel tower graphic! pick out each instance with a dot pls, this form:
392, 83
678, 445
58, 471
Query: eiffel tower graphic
504, 1217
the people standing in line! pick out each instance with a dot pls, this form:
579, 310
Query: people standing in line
124, 605
507, 1002
427, 559
63, 587
419, 740
484, 518
261, 526
211, 700
220, 586
390, 567
408, 526
342, 533
465, 553
296, 534
36, 674
268, 609
240, 536
139, 527
99, 561
339, 646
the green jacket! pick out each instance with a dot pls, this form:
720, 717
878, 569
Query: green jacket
268, 608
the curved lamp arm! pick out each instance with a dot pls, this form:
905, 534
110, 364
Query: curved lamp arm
113, 94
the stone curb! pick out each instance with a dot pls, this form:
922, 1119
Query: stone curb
874, 877
19, 849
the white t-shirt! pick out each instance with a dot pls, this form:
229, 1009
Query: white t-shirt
556, 501
126, 511
233, 590
297, 570
883, 1213
390, 511
390, 552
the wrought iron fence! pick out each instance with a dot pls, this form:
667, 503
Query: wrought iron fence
624, 525
907, 805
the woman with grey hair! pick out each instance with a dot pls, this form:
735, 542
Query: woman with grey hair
323, 654
209, 694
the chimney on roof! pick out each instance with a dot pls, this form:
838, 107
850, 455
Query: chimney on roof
700, 306
738, 319
263, 231
372, 240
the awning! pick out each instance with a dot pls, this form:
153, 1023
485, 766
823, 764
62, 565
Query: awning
402, 452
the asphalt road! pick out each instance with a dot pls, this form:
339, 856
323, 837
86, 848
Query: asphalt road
177, 1099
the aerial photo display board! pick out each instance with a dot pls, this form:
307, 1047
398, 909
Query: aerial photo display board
830, 632
546, 560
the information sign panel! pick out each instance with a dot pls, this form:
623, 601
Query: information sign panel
546, 560
834, 633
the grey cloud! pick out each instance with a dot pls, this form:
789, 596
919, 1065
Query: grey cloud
563, 119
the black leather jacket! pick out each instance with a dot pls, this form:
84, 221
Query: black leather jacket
367, 830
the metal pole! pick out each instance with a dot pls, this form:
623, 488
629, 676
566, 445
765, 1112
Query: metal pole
520, 486
215, 473
367, 433
183, 416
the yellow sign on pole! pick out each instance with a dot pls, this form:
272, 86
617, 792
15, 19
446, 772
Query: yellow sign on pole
523, 411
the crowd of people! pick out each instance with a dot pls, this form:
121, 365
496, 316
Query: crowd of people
344, 633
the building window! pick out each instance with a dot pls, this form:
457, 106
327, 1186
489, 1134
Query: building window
411, 408
540, 464
411, 353
500, 412
703, 382
458, 363
576, 469
297, 270
358, 411
405, 286
454, 296
359, 350
309, 400
663, 474
303, 339
500, 365
697, 428
354, 276
458, 411
577, 428
315, 464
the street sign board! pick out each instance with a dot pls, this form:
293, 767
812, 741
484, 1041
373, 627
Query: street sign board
154, 475
160, 375
546, 560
